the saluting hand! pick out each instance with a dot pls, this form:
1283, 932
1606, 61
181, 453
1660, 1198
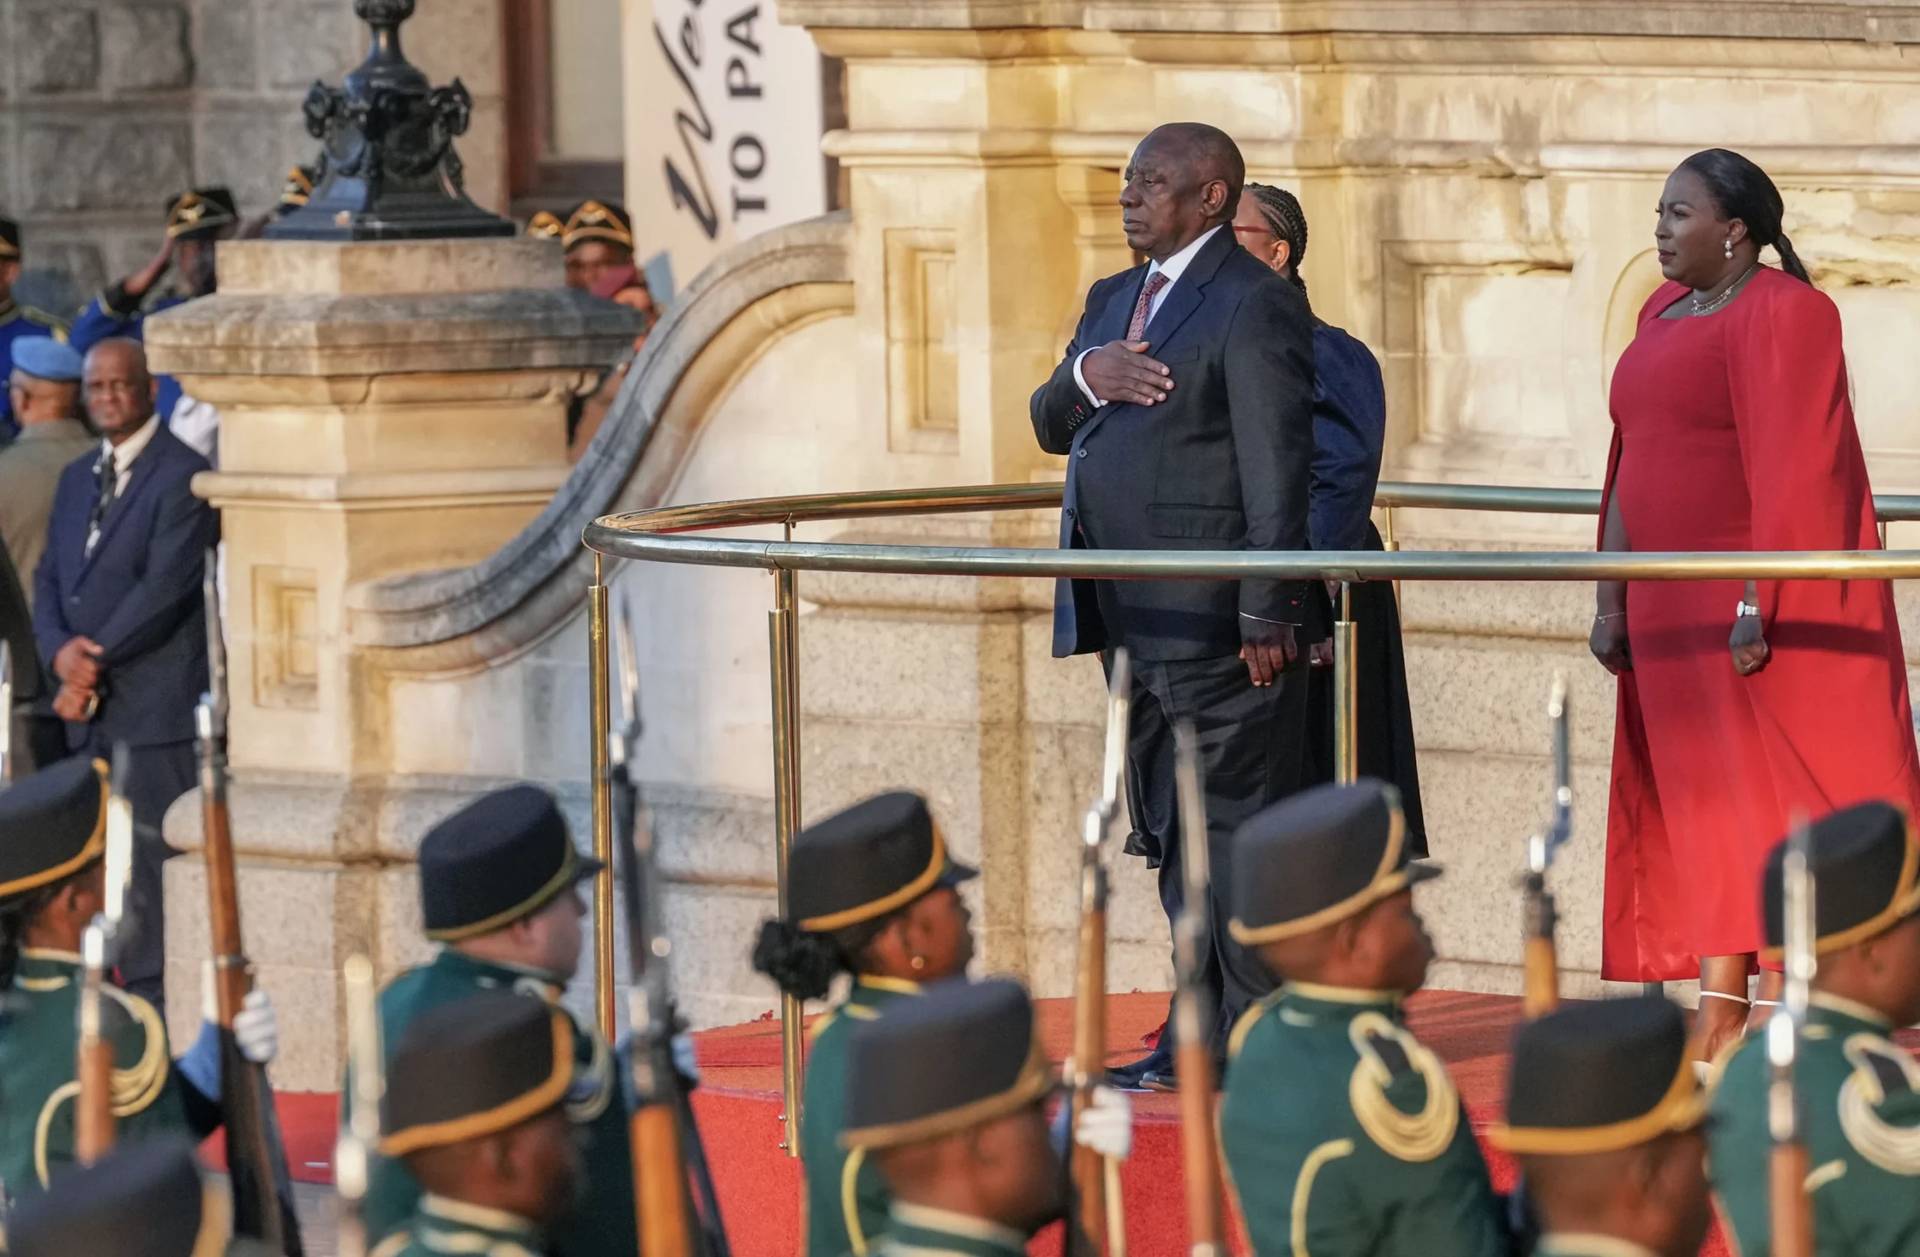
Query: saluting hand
142, 280
1748, 642
1120, 371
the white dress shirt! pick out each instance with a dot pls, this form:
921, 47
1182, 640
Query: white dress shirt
1173, 268
124, 453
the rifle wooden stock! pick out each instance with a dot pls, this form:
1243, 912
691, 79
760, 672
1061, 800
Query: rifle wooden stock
1200, 1153
1541, 990
93, 1125
1790, 1211
1089, 1053
232, 978
660, 1182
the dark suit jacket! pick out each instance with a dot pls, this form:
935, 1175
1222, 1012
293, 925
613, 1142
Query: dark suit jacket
1222, 464
138, 594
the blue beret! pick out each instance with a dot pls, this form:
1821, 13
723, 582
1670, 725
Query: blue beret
46, 358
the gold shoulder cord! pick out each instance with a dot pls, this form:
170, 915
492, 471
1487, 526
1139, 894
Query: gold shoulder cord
1895, 1149
134, 1088
1411, 1137
850, 1200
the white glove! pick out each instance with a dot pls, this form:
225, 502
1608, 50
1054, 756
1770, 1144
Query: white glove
684, 1061
1106, 1124
256, 1028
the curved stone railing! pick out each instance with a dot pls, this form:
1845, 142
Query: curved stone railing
461, 618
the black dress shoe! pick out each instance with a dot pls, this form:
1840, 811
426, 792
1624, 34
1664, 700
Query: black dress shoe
1128, 1077
1168, 1079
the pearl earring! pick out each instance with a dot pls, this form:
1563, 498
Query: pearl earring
918, 963
1729, 248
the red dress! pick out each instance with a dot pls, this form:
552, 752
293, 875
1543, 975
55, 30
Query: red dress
1734, 432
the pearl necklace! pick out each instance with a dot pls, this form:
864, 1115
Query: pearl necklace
1708, 307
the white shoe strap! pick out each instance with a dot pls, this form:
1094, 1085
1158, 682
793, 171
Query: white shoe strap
1737, 999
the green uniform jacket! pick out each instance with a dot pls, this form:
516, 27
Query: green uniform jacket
440, 1226
38, 1039
1343, 1136
604, 1222
916, 1231
846, 1197
1860, 1093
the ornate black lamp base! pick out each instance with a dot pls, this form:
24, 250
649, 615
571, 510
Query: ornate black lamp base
388, 167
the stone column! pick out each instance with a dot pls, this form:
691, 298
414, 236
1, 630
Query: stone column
385, 408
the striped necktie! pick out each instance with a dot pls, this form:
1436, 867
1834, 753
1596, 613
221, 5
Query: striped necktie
1155, 282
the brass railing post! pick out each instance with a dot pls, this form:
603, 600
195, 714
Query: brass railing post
1346, 692
783, 650
600, 681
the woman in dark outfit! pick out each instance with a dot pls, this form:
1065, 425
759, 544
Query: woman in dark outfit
1349, 434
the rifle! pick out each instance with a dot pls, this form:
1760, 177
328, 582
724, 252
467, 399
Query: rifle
6, 714
353, 1150
1790, 1212
1542, 988
669, 1160
1099, 1210
93, 1120
1193, 1015
256, 1159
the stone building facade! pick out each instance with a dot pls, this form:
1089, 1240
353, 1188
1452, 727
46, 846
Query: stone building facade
108, 108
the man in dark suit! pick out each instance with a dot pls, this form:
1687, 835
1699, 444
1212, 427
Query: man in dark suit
1185, 404
118, 616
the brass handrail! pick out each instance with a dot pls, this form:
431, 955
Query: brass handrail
961, 499
656, 536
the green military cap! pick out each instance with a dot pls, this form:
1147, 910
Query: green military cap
9, 240
1319, 857
473, 1068
871, 859
989, 1064
52, 825
599, 220
1866, 877
201, 212
546, 225
1599, 1077
502, 857
297, 189
145, 1197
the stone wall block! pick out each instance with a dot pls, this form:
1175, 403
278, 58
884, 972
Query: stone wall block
61, 275
250, 153
114, 162
144, 49
59, 49
225, 56
307, 40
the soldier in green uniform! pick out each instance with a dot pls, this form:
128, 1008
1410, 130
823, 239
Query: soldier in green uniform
52, 885
1606, 1117
475, 1105
498, 890
1342, 1133
16, 322
964, 1146
871, 893
148, 1198
1859, 1090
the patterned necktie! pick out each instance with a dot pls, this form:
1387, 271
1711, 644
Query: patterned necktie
1155, 282
106, 475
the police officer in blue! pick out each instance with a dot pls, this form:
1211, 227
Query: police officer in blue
16, 321
196, 222
118, 615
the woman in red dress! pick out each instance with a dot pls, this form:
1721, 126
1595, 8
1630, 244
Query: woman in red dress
1740, 707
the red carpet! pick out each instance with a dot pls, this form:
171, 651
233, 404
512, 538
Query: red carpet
739, 1101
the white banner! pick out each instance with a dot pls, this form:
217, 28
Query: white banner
724, 121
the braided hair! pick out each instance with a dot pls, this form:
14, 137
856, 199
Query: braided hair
1744, 191
1287, 221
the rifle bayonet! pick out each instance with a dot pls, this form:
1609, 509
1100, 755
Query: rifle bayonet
6, 714
119, 850
1791, 1210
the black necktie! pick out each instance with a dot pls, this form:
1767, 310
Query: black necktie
106, 475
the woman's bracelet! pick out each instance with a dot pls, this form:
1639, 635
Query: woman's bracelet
1614, 615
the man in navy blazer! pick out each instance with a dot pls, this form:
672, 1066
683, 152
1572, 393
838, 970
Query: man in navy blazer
1185, 405
119, 620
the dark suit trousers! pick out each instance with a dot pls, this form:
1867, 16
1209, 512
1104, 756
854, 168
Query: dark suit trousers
1253, 751
156, 776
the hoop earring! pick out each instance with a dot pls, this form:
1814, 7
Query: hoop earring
1729, 248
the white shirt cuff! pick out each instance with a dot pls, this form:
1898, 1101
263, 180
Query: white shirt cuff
1081, 380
